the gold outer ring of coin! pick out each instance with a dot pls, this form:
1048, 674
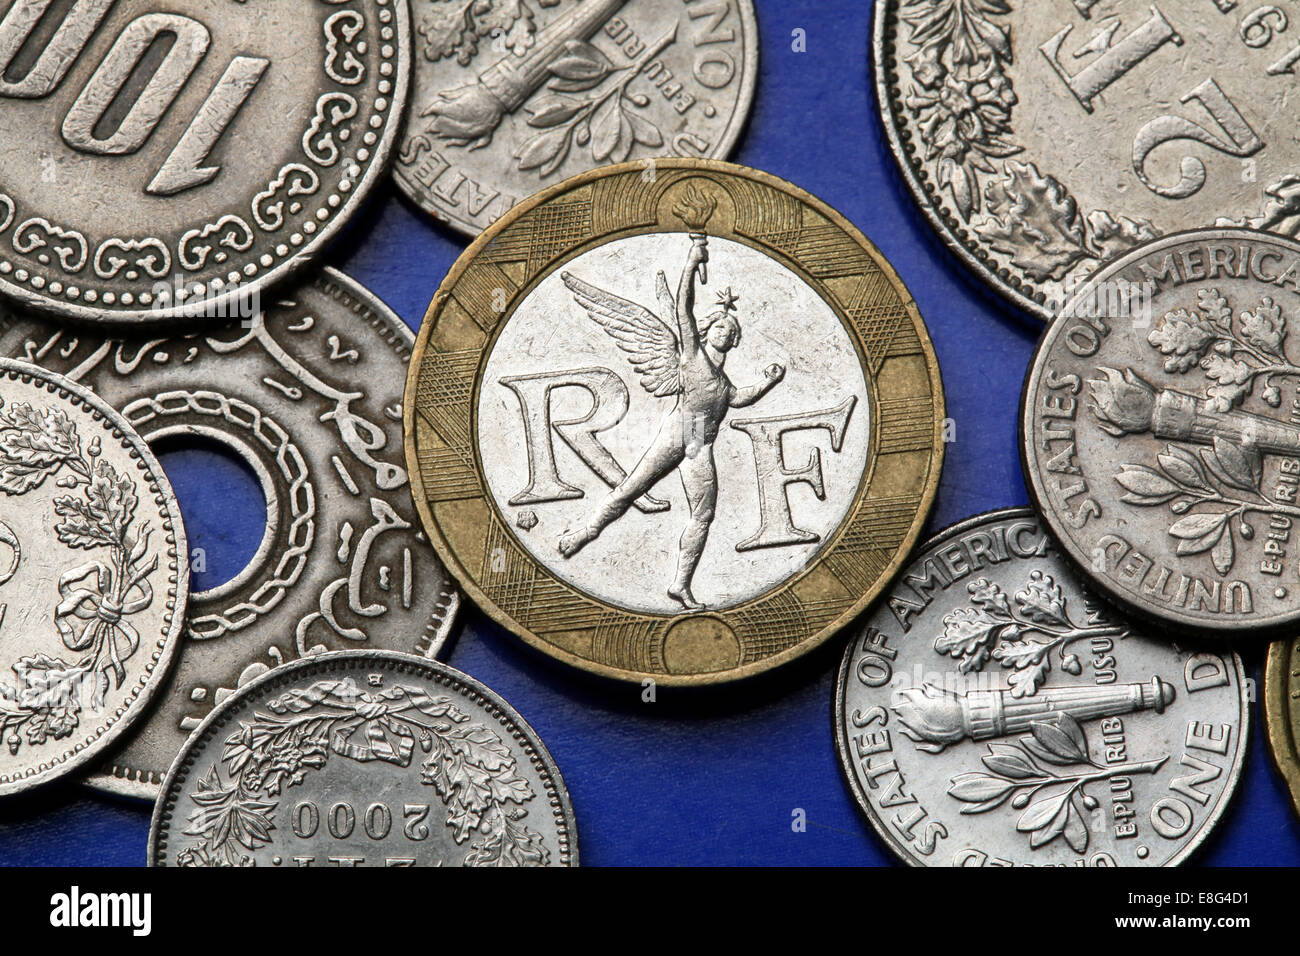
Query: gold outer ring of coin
898, 359
1282, 711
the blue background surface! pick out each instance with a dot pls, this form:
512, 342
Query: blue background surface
700, 778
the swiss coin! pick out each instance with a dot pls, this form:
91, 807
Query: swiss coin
1282, 711
364, 758
168, 160
508, 97
1159, 430
605, 487
308, 394
93, 576
1043, 139
1025, 723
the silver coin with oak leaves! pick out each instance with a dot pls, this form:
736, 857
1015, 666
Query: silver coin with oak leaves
993, 712
93, 577
364, 758
1043, 138
163, 161
509, 96
1161, 430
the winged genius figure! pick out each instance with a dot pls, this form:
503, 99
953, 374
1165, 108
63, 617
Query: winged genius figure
686, 365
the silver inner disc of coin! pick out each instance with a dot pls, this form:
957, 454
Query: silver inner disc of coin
308, 394
553, 364
510, 97
364, 759
992, 712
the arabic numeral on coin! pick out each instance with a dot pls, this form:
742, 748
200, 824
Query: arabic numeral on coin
342, 821
413, 816
378, 821
306, 820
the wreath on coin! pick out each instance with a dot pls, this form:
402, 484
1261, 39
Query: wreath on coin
95, 598
470, 768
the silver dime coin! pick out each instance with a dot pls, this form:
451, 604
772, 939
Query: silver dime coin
308, 394
1042, 140
364, 758
93, 577
509, 96
991, 712
164, 160
1159, 430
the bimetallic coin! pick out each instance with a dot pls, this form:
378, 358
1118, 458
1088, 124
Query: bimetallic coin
93, 576
677, 427
364, 758
1043, 139
308, 394
992, 712
1282, 711
1160, 430
169, 160
511, 96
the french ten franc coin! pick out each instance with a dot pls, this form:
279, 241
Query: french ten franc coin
164, 160
1044, 138
364, 758
306, 394
674, 426
1159, 430
1282, 711
93, 577
993, 712
508, 97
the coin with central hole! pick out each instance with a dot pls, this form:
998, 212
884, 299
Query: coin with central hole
308, 395
675, 427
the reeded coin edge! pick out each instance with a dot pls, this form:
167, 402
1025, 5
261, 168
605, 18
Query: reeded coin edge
1278, 669
839, 716
730, 136
178, 572
348, 292
926, 501
352, 202
396, 662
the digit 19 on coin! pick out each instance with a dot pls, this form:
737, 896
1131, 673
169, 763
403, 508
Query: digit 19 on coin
164, 159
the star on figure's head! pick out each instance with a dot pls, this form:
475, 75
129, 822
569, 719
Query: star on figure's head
728, 300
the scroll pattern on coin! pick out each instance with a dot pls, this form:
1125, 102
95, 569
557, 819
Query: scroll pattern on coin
139, 115
307, 393
513, 95
993, 712
599, 481
92, 585
1162, 117
364, 759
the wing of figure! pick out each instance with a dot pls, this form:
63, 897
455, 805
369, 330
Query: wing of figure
650, 345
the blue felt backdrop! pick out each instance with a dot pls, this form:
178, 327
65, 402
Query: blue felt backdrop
705, 778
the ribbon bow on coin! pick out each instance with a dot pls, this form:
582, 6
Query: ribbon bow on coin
88, 595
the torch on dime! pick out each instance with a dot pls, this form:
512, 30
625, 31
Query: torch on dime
510, 97
1160, 430
676, 429
1163, 117
994, 712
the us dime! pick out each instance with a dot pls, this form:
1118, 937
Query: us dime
992, 712
1159, 429
93, 577
510, 96
678, 428
1282, 712
172, 160
308, 394
364, 759
1043, 139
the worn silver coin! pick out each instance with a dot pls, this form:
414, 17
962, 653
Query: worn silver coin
509, 96
308, 394
1043, 139
167, 160
992, 712
364, 758
1160, 432
93, 577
